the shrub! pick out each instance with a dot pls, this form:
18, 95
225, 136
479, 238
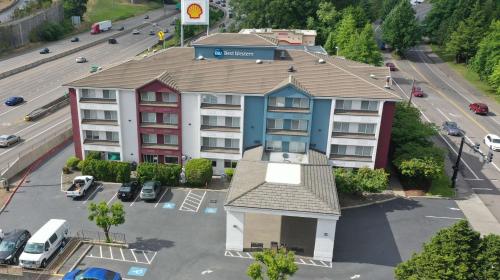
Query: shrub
167, 174
94, 155
80, 164
362, 180
345, 179
72, 162
199, 172
229, 173
108, 171
65, 170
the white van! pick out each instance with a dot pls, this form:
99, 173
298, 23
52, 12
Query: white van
44, 243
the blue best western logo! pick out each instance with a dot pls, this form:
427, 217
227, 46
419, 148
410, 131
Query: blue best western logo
218, 53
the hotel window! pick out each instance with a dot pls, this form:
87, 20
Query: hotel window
232, 122
170, 118
148, 96
231, 143
149, 138
88, 93
89, 115
300, 103
150, 158
147, 117
273, 146
274, 123
366, 128
171, 139
298, 125
339, 149
230, 163
369, 105
112, 136
343, 104
277, 101
169, 97
209, 142
340, 127
363, 151
172, 160
209, 120
108, 94
297, 147
232, 100
92, 135
110, 115
209, 99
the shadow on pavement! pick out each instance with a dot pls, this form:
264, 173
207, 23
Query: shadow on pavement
151, 244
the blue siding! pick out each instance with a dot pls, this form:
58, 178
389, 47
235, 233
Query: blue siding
263, 53
253, 121
320, 124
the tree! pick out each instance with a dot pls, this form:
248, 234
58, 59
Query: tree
488, 54
199, 171
494, 78
105, 216
454, 253
409, 128
363, 48
279, 265
420, 169
74, 7
387, 6
362, 180
400, 28
344, 33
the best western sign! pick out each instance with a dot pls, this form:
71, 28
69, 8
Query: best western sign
220, 53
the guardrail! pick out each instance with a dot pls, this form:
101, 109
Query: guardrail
48, 108
97, 236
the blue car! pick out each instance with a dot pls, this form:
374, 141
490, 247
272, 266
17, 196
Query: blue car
94, 273
14, 100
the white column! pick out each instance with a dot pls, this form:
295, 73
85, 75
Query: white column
234, 230
325, 239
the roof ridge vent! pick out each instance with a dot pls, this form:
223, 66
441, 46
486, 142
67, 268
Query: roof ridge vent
258, 61
321, 61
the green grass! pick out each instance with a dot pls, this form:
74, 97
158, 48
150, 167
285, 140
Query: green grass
441, 187
98, 10
471, 76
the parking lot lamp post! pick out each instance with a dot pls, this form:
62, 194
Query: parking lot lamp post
457, 163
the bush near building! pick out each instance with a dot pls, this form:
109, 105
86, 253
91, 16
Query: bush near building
229, 173
167, 174
199, 172
361, 180
107, 171
72, 162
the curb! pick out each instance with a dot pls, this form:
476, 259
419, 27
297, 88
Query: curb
9, 6
369, 203
118, 245
82, 256
430, 196
77, 49
32, 167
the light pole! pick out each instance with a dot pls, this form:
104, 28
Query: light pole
336, 51
457, 163
411, 92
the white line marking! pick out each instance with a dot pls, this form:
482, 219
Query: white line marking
118, 260
109, 201
323, 263
146, 257
231, 254
239, 254
17, 133
311, 261
201, 201
441, 112
449, 218
454, 209
96, 190
123, 256
62, 182
472, 179
301, 261
136, 198
154, 255
110, 252
100, 250
132, 250
249, 255
482, 189
161, 197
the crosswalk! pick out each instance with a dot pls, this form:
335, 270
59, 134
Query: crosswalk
192, 201
298, 259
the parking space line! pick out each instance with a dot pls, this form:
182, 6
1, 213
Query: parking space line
192, 201
133, 254
100, 250
154, 255
449, 218
92, 194
110, 252
145, 256
109, 201
161, 197
298, 260
136, 197
204, 193
123, 256
118, 260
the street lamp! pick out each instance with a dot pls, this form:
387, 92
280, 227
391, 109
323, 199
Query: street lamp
337, 51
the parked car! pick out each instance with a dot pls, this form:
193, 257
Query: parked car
112, 41
391, 66
75, 39
128, 191
150, 190
452, 128
8, 140
121, 28
14, 100
135, 31
44, 51
12, 245
80, 185
417, 92
81, 59
92, 273
44, 243
479, 108
146, 17
492, 141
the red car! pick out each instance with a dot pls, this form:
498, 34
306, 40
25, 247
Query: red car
391, 66
479, 108
417, 92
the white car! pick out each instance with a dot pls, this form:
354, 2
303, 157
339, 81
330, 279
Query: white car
492, 141
7, 140
135, 32
81, 59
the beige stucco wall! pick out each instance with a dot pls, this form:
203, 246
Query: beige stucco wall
261, 228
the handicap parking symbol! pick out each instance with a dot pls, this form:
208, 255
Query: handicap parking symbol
210, 210
137, 271
169, 205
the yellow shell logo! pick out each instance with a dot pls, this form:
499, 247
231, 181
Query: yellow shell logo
194, 11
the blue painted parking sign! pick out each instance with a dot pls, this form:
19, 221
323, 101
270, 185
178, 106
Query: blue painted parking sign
137, 271
210, 210
169, 205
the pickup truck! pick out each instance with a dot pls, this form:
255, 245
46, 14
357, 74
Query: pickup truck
80, 186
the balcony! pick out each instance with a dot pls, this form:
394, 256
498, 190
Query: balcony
101, 142
100, 122
159, 125
356, 112
351, 158
287, 109
97, 100
220, 128
287, 132
220, 150
353, 135
160, 146
220, 106
159, 103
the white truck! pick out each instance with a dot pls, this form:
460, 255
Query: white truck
101, 26
80, 186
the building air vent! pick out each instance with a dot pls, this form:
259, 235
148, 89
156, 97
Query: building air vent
283, 55
291, 69
373, 76
201, 57
321, 61
258, 61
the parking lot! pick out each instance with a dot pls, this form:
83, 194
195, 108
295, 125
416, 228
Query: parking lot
182, 235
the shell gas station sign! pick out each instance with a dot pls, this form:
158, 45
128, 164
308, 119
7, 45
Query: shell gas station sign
194, 12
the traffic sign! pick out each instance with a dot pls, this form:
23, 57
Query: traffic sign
161, 35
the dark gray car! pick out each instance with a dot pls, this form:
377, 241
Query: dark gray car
7, 140
452, 128
150, 190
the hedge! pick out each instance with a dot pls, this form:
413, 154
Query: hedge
107, 171
167, 174
199, 172
362, 180
72, 162
229, 173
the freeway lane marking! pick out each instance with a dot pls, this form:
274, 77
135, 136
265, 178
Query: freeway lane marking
482, 189
444, 115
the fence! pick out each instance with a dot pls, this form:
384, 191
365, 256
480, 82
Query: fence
99, 236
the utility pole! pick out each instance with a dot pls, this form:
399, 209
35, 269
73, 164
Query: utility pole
182, 35
457, 163
411, 92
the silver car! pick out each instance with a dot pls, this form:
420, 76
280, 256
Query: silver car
7, 140
150, 190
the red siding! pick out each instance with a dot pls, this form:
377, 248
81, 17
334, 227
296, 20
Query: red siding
384, 137
73, 102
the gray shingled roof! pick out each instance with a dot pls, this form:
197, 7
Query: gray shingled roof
315, 194
235, 39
